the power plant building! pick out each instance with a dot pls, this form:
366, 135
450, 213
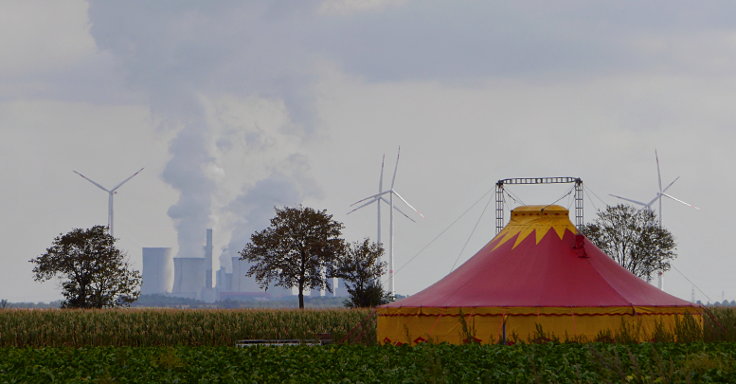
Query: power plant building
340, 289
208, 260
157, 271
243, 286
239, 283
188, 276
193, 276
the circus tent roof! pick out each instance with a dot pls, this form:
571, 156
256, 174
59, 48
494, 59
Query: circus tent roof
540, 260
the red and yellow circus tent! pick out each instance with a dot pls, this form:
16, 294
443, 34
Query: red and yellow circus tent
538, 271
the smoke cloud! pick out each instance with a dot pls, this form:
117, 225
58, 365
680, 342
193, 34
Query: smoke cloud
207, 75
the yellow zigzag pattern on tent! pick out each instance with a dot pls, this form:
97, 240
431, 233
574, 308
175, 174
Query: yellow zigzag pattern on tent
535, 218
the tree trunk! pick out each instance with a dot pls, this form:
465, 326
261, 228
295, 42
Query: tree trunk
301, 295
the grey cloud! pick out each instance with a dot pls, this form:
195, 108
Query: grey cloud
173, 46
457, 40
269, 48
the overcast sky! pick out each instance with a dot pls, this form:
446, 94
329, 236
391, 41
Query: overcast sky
233, 107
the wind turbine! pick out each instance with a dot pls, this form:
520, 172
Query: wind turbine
111, 192
377, 200
661, 193
658, 198
381, 197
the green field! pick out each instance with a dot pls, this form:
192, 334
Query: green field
524, 363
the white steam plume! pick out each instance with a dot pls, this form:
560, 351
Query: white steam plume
184, 57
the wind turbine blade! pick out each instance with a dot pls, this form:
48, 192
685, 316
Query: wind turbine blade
402, 212
370, 197
380, 181
659, 175
125, 181
406, 202
630, 200
93, 182
397, 209
680, 201
670, 184
396, 167
363, 205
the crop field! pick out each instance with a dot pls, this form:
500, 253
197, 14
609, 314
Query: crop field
171, 327
147, 345
522, 363
213, 327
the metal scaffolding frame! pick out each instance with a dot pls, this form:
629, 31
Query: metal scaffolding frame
539, 180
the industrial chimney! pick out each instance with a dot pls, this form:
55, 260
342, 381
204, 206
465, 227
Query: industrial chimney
208, 260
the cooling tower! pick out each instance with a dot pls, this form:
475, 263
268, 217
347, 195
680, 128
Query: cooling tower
340, 289
189, 277
157, 271
240, 282
224, 280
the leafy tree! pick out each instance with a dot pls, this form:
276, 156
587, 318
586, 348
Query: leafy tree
295, 250
95, 273
361, 268
633, 238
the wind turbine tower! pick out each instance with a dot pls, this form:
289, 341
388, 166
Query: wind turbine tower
111, 193
658, 198
381, 197
376, 199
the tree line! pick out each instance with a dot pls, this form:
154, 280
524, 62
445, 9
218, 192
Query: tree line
304, 248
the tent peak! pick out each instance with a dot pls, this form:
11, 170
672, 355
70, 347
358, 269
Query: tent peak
537, 219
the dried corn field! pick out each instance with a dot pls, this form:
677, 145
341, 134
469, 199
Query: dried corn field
172, 327
223, 327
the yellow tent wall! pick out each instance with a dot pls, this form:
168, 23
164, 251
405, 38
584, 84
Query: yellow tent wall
518, 324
